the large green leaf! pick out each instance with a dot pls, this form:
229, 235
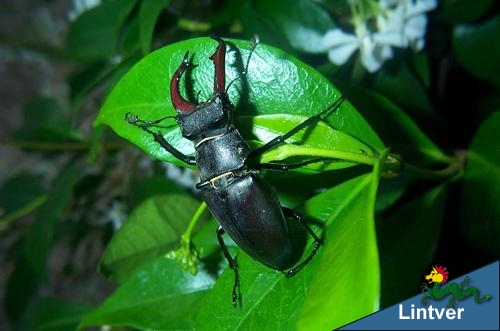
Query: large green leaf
276, 84
480, 212
265, 294
154, 227
349, 259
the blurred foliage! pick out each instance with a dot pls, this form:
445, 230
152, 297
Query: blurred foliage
409, 173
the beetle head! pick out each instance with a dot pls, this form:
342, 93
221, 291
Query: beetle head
210, 118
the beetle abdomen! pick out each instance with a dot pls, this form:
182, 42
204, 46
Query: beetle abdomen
249, 211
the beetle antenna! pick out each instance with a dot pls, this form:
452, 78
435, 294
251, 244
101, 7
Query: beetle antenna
253, 44
133, 119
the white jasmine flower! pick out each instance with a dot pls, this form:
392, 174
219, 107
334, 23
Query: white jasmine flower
402, 23
399, 23
342, 45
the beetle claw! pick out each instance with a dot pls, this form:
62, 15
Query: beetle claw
185, 59
180, 104
219, 58
131, 118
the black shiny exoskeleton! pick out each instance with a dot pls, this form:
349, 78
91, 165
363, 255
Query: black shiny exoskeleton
243, 203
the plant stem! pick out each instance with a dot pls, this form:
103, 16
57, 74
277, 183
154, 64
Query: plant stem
186, 237
392, 164
296, 150
453, 169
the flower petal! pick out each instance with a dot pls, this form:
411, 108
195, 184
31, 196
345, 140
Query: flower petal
340, 54
397, 39
392, 20
415, 27
370, 62
368, 55
337, 37
385, 52
420, 7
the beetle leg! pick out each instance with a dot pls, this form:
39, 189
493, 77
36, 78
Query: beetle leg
180, 104
232, 264
134, 120
219, 58
310, 121
172, 150
289, 213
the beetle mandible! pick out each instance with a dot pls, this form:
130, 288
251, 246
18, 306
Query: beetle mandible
244, 204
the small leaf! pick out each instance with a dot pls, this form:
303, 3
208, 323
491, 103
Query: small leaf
480, 211
402, 87
468, 39
152, 186
421, 66
407, 240
45, 120
21, 286
91, 76
95, 33
153, 228
40, 236
160, 295
82, 82
47, 314
19, 196
148, 14
396, 128
464, 10
390, 190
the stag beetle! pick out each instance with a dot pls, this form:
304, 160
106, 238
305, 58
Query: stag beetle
244, 204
